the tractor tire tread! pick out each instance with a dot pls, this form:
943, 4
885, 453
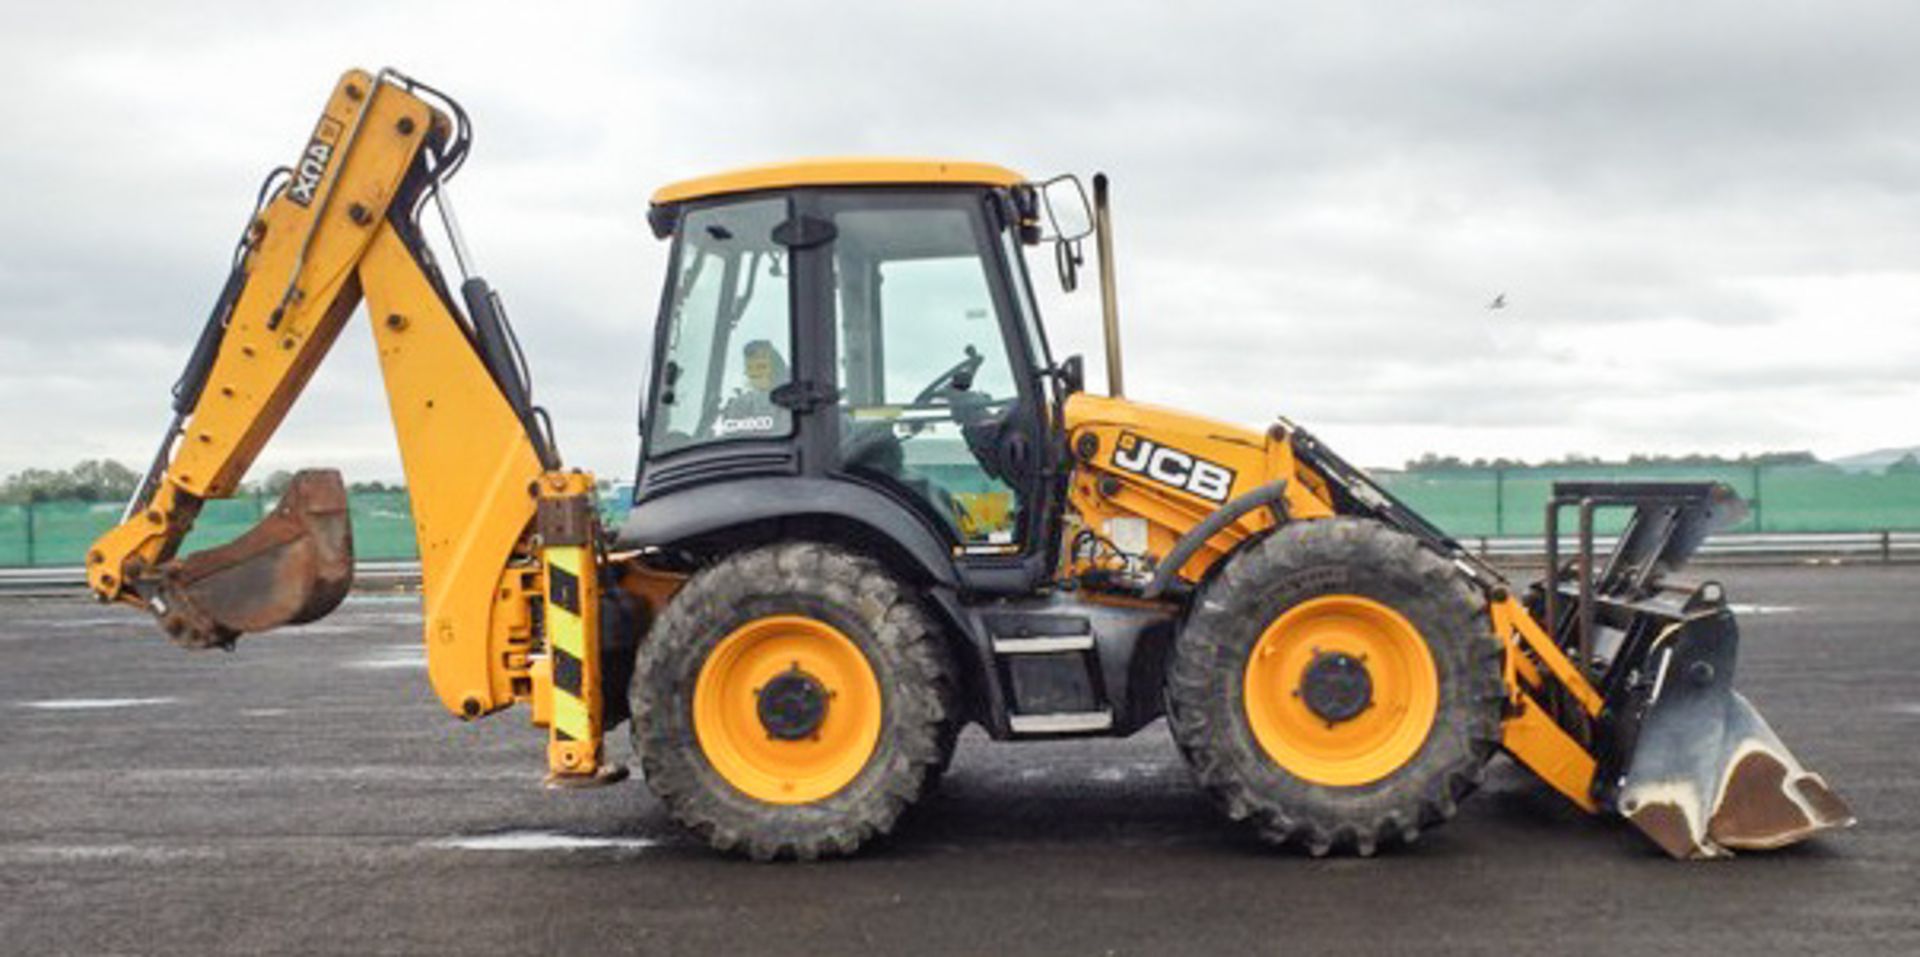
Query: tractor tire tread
903, 644
1206, 713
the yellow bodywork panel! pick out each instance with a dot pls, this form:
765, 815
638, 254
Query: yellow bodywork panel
1533, 738
839, 171
470, 472
253, 385
1511, 618
1172, 469
1530, 734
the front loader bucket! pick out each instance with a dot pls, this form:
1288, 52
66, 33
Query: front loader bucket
295, 566
1706, 775
1679, 753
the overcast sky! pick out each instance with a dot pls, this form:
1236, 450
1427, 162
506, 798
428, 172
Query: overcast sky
1705, 217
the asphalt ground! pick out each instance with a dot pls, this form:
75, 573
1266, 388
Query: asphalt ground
307, 794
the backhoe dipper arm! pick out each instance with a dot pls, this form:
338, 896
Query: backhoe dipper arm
499, 588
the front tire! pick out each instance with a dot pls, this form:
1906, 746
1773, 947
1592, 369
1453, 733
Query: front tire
1336, 685
792, 701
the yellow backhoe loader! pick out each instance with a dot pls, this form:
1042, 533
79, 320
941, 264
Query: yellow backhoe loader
872, 508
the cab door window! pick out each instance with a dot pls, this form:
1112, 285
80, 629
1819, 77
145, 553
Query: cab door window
728, 334
929, 400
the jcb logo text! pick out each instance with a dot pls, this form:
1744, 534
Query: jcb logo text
1189, 473
313, 163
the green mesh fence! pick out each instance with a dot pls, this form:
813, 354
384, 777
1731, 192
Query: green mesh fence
58, 533
1809, 498
14, 550
1465, 502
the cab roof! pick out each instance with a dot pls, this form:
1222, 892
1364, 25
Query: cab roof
838, 171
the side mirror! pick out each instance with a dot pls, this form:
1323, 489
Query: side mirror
1067, 259
1069, 215
1073, 375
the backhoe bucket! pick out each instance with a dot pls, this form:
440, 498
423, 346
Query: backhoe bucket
1706, 775
293, 567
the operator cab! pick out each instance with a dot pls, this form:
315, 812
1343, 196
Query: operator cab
866, 323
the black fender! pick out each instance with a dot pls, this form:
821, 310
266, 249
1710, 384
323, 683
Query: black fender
1272, 494
751, 510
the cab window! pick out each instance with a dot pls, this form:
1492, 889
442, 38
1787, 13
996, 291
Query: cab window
728, 338
928, 397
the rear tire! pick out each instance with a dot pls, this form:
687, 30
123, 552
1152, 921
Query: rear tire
887, 682
1392, 758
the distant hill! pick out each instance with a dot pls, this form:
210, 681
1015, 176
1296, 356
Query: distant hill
1877, 459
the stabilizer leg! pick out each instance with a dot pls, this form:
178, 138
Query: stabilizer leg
567, 528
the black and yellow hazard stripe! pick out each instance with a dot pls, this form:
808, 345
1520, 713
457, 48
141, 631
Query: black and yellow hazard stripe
565, 525
567, 642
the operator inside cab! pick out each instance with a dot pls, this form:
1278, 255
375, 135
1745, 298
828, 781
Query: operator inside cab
751, 408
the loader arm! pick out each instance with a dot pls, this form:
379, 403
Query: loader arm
507, 540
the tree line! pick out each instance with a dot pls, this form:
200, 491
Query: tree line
105, 480
1435, 462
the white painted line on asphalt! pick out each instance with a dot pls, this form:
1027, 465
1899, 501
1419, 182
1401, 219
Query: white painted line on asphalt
283, 776
379, 598
1114, 774
394, 656
1763, 609
90, 704
1906, 708
541, 841
265, 712
82, 853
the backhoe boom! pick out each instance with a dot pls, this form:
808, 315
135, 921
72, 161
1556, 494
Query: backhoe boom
339, 230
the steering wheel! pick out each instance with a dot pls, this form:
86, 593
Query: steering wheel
877, 443
957, 378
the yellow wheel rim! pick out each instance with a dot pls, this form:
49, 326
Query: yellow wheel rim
1402, 697
814, 759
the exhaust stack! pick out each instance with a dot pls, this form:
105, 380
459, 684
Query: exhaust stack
1109, 303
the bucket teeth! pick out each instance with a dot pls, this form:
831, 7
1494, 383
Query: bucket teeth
1707, 776
295, 566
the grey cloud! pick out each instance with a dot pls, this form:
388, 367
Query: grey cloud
1315, 201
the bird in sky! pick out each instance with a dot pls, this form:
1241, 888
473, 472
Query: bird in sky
1499, 302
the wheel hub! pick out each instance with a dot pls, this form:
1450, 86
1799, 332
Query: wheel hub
793, 705
1336, 687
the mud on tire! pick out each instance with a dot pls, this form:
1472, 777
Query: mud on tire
1299, 562
902, 645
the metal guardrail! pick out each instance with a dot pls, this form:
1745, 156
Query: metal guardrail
67, 579
1886, 546
1855, 547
